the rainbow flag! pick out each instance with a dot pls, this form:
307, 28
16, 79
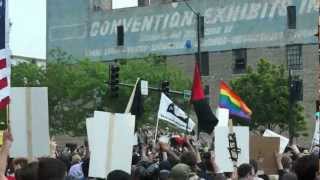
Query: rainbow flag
230, 100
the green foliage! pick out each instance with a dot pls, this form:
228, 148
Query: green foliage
76, 90
266, 93
154, 69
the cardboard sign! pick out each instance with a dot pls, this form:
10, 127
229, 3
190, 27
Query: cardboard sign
110, 142
29, 121
262, 150
283, 140
222, 145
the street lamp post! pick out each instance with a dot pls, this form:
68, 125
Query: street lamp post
291, 103
198, 16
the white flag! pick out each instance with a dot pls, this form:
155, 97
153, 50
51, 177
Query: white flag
171, 113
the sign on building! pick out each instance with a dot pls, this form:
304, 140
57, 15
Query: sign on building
168, 28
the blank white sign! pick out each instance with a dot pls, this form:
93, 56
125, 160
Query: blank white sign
29, 106
110, 142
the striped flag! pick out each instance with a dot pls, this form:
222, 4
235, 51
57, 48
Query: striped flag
4, 78
5, 66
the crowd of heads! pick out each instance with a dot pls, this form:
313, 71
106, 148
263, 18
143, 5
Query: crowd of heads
173, 156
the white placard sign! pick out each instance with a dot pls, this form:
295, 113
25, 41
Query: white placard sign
223, 117
144, 88
222, 144
29, 121
110, 142
283, 140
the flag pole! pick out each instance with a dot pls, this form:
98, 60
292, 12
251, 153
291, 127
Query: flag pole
155, 135
8, 117
129, 105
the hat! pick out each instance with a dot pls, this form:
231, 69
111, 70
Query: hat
75, 158
180, 172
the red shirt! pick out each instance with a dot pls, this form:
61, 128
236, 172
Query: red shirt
11, 178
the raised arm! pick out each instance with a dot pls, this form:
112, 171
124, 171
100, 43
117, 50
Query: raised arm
4, 153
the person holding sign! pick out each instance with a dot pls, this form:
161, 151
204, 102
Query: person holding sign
4, 153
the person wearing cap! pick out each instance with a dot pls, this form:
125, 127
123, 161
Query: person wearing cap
182, 172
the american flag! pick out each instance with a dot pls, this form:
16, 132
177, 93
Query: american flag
5, 66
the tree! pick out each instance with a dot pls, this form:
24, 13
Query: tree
266, 92
154, 69
76, 89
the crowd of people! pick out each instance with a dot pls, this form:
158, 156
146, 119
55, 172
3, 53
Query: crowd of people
172, 156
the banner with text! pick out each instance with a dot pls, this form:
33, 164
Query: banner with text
170, 29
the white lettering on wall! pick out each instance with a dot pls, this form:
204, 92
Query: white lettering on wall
220, 15
104, 28
264, 10
115, 24
127, 24
147, 23
187, 18
165, 22
213, 15
254, 11
157, 22
244, 11
94, 29
136, 25
236, 13
174, 21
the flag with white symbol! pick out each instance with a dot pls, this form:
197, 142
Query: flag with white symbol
171, 113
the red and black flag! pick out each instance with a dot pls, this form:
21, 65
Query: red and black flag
206, 119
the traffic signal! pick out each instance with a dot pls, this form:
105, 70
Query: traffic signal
165, 87
114, 80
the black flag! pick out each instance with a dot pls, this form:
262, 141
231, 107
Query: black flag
206, 119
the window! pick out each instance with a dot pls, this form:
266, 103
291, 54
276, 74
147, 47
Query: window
204, 63
120, 36
142, 3
240, 60
294, 57
98, 5
291, 17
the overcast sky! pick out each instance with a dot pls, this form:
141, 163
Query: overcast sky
28, 31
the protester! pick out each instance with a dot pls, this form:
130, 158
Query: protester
181, 158
245, 172
254, 165
307, 167
118, 175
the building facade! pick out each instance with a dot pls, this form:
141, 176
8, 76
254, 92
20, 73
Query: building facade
236, 34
